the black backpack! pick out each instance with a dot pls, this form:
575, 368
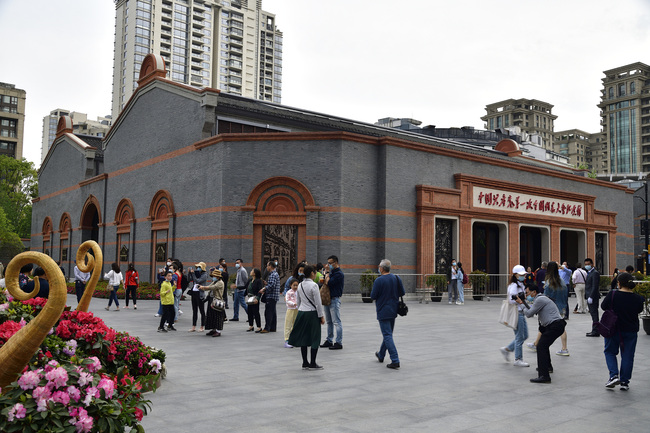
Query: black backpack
184, 282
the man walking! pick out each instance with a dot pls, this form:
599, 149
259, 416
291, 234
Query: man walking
386, 291
551, 326
579, 279
272, 291
592, 292
240, 290
335, 281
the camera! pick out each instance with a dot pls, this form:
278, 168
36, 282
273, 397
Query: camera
522, 296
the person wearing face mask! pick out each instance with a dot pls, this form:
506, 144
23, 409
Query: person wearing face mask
516, 287
298, 274
240, 290
335, 281
452, 282
199, 277
161, 279
592, 293
223, 268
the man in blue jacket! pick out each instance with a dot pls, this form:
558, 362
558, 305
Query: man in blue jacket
386, 292
334, 280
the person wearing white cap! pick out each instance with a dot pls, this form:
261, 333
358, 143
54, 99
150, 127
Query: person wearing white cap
515, 287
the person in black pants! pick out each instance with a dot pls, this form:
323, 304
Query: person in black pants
199, 278
592, 293
551, 326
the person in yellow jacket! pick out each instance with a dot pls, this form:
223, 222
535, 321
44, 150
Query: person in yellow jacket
167, 300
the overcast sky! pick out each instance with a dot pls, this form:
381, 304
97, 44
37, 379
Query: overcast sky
436, 61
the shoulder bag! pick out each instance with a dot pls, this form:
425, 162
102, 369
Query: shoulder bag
607, 325
509, 316
325, 297
217, 304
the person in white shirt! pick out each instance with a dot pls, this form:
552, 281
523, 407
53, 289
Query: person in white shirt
578, 279
114, 277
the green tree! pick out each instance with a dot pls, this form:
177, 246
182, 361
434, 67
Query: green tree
10, 243
18, 186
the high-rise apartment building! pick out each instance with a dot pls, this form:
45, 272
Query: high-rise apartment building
12, 120
573, 143
81, 125
530, 115
625, 118
232, 45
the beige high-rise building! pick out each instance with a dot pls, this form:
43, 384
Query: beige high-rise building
12, 120
530, 115
625, 118
81, 125
597, 153
233, 46
573, 143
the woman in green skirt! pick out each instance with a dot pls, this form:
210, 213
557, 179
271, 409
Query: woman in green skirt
306, 328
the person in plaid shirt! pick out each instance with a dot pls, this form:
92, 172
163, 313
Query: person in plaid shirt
272, 291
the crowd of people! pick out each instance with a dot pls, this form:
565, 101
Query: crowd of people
545, 293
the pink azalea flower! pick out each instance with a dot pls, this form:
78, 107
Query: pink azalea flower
4, 306
41, 404
61, 397
16, 412
74, 393
29, 380
42, 392
108, 386
95, 366
58, 376
84, 425
155, 365
22, 322
85, 378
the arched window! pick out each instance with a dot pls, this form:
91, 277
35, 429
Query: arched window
124, 218
47, 235
65, 227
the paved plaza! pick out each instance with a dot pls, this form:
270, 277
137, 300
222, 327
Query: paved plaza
453, 377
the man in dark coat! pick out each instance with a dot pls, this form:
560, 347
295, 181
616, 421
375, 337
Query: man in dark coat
386, 292
592, 293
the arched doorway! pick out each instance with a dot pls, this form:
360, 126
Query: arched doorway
161, 211
280, 206
65, 227
90, 220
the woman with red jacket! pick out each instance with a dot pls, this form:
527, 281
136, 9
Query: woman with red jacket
131, 282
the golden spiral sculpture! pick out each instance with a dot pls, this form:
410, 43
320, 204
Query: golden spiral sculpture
87, 263
20, 348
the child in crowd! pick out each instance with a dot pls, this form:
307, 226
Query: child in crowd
167, 300
292, 312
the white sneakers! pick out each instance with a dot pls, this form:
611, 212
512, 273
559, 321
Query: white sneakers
520, 363
563, 352
506, 353
532, 346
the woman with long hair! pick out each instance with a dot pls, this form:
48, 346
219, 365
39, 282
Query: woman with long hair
516, 287
306, 328
131, 281
558, 292
255, 284
114, 277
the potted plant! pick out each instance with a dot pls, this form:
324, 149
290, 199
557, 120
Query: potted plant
479, 281
643, 289
438, 283
367, 279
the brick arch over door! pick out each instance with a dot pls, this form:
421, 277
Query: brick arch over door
91, 219
47, 232
124, 213
161, 215
125, 236
280, 201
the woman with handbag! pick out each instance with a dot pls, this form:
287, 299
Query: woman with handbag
306, 328
214, 320
255, 284
516, 287
199, 277
627, 306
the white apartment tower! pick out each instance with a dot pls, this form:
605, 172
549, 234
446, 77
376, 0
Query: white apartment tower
232, 45
81, 125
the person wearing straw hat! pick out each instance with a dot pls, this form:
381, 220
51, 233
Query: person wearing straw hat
215, 319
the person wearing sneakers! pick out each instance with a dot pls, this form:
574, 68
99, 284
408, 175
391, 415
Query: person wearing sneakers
627, 305
551, 325
167, 301
114, 277
515, 287
386, 291
200, 278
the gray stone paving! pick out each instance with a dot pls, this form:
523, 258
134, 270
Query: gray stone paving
453, 377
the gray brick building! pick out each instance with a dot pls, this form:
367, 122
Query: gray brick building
197, 175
